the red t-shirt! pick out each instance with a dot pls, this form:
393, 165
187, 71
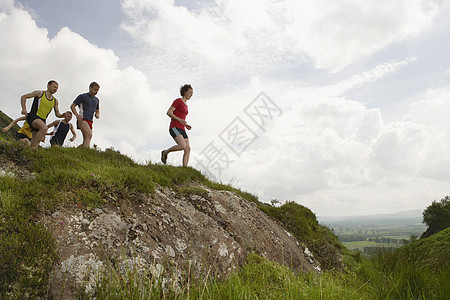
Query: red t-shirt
181, 111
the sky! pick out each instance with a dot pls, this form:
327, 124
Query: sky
341, 106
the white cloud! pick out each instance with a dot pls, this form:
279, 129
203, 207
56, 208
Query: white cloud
433, 103
433, 111
327, 150
337, 34
380, 71
7, 5
180, 31
330, 152
333, 35
28, 59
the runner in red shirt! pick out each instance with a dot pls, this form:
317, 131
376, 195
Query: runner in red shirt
178, 112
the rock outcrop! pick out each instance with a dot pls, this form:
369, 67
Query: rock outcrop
209, 231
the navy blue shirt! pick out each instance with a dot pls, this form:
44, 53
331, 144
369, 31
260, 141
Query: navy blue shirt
61, 132
88, 105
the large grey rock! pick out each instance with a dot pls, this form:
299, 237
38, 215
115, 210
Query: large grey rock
211, 232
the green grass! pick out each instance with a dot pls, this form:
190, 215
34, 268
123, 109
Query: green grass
420, 270
303, 224
258, 278
4, 121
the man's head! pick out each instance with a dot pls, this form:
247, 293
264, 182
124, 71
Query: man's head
68, 116
52, 86
93, 88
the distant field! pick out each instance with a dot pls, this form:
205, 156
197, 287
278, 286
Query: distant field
361, 244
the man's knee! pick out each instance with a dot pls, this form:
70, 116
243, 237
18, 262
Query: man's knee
87, 132
40, 126
43, 128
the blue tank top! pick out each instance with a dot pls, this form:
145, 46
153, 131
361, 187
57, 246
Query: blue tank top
61, 132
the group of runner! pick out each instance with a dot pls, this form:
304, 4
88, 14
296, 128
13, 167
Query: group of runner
35, 128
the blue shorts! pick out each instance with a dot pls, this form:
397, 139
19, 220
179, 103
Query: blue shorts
174, 131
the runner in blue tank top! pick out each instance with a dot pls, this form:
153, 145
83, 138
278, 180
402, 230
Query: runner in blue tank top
62, 127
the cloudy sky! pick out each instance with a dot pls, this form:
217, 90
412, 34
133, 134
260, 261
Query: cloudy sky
341, 106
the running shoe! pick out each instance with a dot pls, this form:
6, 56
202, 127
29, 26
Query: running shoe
163, 157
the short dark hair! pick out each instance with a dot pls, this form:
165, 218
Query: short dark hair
51, 82
184, 89
93, 83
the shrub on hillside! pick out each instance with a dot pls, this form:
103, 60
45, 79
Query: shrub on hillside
437, 216
303, 224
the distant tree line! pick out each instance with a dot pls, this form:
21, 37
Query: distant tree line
352, 238
360, 238
384, 240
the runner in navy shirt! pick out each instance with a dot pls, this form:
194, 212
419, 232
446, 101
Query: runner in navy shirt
62, 127
89, 106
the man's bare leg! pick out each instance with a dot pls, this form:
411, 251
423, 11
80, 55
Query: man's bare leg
40, 134
87, 134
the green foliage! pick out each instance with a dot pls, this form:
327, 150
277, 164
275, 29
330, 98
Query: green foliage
303, 224
258, 278
409, 273
25, 255
4, 121
437, 216
15, 152
420, 270
130, 284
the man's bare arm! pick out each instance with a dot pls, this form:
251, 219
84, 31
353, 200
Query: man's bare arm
24, 98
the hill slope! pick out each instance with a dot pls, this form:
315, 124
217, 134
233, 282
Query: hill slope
68, 215
4, 121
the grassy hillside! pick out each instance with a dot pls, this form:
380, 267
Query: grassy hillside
303, 224
37, 182
420, 270
4, 121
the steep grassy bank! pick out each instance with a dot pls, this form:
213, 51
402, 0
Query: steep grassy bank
36, 183
303, 224
420, 270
